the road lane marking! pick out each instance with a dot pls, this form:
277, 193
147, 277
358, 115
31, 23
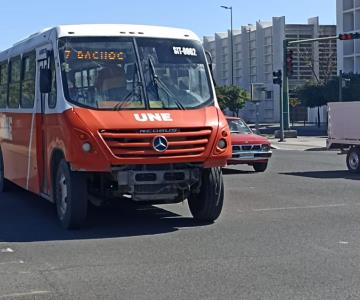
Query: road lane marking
12, 262
26, 294
343, 243
7, 250
300, 207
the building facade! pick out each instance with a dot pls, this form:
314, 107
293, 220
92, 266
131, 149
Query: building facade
348, 20
258, 51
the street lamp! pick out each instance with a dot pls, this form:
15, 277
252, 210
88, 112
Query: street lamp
248, 30
231, 42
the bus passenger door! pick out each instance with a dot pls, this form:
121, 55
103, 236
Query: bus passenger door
45, 59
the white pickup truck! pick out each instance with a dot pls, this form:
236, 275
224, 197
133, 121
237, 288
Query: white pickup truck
344, 131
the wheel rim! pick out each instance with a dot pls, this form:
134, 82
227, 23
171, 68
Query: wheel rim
354, 160
62, 195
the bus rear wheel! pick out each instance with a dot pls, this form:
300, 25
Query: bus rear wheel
70, 196
207, 205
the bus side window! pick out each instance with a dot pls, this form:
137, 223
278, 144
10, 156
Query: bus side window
3, 84
28, 81
14, 82
53, 94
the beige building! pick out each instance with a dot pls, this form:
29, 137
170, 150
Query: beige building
258, 52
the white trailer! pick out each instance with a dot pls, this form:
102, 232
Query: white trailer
344, 131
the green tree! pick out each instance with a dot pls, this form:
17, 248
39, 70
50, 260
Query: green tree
232, 97
312, 95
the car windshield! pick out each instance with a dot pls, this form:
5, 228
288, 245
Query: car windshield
104, 73
238, 126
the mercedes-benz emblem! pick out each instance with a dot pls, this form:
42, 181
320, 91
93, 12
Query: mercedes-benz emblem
160, 143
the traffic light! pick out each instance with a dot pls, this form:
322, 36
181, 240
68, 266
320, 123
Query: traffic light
349, 36
277, 77
289, 62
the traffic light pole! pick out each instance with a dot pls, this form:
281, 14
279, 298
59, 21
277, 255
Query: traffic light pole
285, 116
285, 91
282, 135
340, 85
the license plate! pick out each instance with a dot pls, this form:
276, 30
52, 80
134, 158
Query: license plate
247, 155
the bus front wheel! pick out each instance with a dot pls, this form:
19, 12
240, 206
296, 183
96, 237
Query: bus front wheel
207, 205
70, 196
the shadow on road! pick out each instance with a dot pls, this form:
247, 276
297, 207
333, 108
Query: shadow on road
231, 171
325, 174
25, 217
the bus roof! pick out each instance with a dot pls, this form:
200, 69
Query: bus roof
125, 30
88, 30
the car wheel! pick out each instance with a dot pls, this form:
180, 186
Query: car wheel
260, 167
353, 160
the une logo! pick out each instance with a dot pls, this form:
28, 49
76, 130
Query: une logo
152, 117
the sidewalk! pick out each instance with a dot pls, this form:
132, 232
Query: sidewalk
301, 143
310, 137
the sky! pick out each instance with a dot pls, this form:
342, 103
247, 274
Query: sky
19, 19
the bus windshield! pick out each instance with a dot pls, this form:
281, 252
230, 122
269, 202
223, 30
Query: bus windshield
105, 73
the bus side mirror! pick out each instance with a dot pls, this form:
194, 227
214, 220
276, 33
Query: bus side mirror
210, 63
45, 81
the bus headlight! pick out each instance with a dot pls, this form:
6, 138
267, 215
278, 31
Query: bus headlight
86, 147
222, 144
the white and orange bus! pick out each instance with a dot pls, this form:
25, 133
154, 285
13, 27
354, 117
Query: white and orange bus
92, 112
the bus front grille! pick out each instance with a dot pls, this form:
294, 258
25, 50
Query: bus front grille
136, 144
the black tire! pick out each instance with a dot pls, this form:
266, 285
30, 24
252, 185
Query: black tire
4, 184
353, 160
70, 196
207, 205
260, 167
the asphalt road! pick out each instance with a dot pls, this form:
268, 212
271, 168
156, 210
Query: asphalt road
292, 232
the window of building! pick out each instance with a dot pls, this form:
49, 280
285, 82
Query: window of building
268, 95
348, 4
348, 65
14, 82
3, 84
357, 19
348, 47
348, 21
28, 81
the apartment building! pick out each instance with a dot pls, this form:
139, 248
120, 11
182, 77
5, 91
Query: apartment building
258, 51
348, 20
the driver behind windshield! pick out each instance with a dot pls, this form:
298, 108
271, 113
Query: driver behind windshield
111, 82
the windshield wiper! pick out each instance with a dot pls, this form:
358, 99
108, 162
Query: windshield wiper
136, 83
159, 83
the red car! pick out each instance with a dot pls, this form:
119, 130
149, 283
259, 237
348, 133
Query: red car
247, 147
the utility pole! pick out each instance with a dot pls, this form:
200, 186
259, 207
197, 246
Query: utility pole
285, 88
278, 79
231, 42
340, 85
